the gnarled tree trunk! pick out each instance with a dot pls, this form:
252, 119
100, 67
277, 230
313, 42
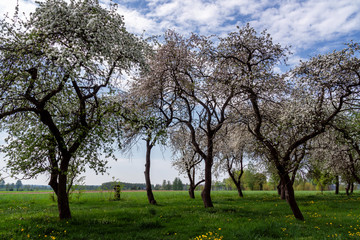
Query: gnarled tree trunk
192, 185
290, 197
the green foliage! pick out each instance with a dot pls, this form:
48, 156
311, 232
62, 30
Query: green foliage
18, 185
250, 180
177, 184
321, 177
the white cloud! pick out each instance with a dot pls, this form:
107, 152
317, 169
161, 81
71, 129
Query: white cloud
136, 22
306, 23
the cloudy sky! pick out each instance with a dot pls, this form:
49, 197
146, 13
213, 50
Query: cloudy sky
310, 27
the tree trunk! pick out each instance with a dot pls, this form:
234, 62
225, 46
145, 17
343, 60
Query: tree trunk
238, 187
278, 187
191, 179
337, 185
205, 194
281, 189
237, 183
63, 198
149, 192
290, 196
191, 192
347, 188
352, 187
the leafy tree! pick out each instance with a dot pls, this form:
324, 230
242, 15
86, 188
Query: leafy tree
18, 185
163, 186
58, 70
321, 177
177, 184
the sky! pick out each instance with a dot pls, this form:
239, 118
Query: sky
310, 27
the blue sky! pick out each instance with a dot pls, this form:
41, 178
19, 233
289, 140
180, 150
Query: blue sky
310, 27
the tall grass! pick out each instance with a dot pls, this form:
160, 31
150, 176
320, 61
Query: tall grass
259, 215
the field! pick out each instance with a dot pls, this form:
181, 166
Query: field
259, 215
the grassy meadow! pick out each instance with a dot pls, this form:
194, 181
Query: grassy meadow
259, 215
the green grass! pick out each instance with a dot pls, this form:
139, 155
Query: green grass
259, 215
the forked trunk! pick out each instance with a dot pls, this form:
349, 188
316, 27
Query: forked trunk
205, 194
237, 181
290, 197
149, 192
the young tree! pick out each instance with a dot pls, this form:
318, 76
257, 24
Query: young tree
141, 118
234, 144
56, 71
186, 160
348, 144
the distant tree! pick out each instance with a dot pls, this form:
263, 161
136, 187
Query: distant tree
177, 184
169, 185
18, 185
163, 186
157, 187
321, 177
2, 183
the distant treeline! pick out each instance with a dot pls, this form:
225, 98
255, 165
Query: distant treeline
124, 186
